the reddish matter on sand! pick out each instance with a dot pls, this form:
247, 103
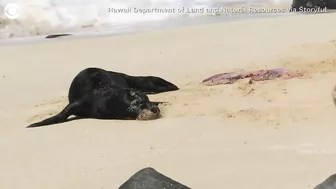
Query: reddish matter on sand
260, 75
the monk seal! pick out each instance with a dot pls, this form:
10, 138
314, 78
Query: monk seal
101, 94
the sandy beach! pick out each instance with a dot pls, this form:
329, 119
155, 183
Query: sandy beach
276, 134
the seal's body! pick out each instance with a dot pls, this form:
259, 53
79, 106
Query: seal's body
101, 94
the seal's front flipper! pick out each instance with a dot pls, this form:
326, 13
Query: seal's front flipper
59, 118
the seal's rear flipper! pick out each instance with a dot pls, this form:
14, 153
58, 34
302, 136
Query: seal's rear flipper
149, 178
59, 118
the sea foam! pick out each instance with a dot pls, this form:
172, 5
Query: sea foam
48, 16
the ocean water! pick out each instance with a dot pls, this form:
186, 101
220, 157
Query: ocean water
39, 17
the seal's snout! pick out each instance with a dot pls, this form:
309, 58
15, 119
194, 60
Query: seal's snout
151, 107
154, 109
149, 111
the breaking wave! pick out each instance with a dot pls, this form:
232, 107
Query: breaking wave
46, 16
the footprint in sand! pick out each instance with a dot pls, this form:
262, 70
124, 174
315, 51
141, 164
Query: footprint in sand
333, 94
42, 115
59, 100
57, 105
301, 149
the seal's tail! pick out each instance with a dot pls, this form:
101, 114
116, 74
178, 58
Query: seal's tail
59, 118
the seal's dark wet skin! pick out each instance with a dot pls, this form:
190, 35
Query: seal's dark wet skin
100, 94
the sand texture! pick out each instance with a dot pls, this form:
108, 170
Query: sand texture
277, 134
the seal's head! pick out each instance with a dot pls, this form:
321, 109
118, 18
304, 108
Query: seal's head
148, 111
140, 104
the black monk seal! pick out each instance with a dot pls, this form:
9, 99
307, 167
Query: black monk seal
100, 94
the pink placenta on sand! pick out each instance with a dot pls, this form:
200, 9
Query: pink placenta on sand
260, 75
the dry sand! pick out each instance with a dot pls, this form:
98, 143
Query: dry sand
270, 135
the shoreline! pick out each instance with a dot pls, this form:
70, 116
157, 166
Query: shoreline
169, 24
